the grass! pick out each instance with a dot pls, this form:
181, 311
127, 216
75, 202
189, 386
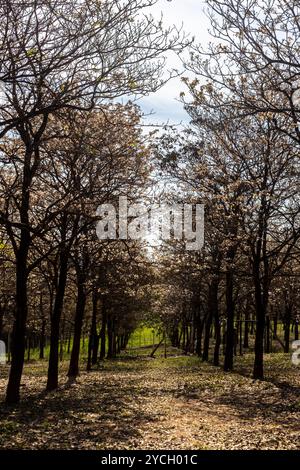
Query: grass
142, 337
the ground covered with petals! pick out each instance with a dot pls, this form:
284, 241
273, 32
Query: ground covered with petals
135, 402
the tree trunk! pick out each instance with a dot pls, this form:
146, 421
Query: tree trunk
208, 323
200, 325
52, 382
79, 315
258, 370
93, 339
183, 335
69, 343
188, 339
212, 314
230, 334
103, 331
246, 331
215, 305
42, 339
217, 339
287, 328
275, 322
267, 334
19, 328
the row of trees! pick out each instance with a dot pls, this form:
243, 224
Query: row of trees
65, 149
240, 157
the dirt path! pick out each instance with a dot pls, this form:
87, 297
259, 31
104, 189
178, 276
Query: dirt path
176, 403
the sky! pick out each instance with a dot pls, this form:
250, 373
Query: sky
164, 104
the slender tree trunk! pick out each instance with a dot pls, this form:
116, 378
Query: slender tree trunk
208, 323
261, 286
216, 318
199, 332
62, 341
95, 334
43, 327
174, 336
212, 314
93, 339
193, 334
188, 339
241, 335
268, 339
79, 315
217, 338
52, 382
103, 331
114, 341
69, 343
258, 370
287, 329
230, 333
275, 322
183, 336
246, 331
180, 345
42, 339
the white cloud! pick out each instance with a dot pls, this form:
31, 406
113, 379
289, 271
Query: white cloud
191, 14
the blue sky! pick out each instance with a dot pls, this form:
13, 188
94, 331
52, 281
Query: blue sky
165, 103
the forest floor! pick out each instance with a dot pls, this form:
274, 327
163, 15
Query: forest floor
135, 402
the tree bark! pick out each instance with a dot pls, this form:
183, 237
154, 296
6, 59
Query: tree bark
199, 332
19, 328
287, 329
208, 323
212, 314
42, 340
217, 338
103, 331
52, 381
258, 370
246, 331
93, 339
230, 334
79, 315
